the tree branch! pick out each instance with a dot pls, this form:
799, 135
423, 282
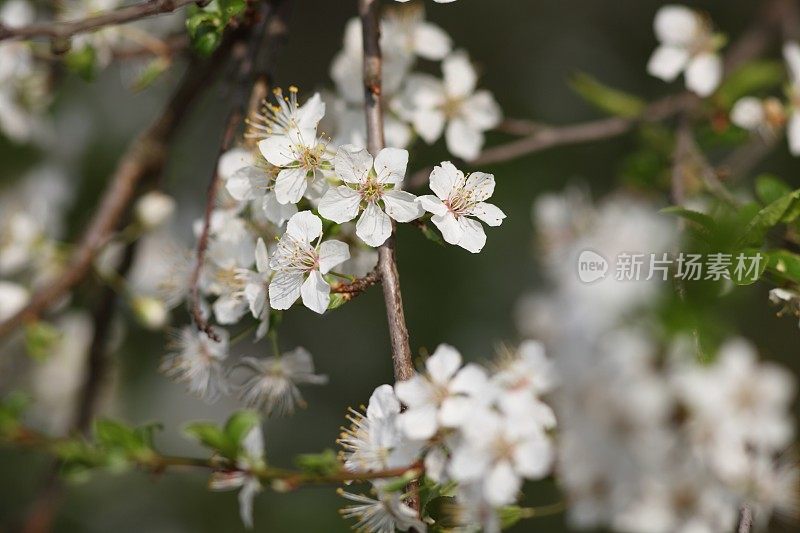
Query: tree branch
357, 286
144, 156
64, 30
252, 85
369, 11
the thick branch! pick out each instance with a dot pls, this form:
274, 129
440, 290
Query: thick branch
369, 11
253, 81
63, 30
145, 155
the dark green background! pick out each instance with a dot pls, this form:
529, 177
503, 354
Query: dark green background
526, 50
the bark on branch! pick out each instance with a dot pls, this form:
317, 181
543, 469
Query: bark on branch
64, 30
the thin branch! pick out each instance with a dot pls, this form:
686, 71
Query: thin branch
145, 156
745, 520
357, 286
122, 15
251, 86
545, 137
157, 463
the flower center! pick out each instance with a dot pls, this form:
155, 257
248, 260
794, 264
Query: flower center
371, 190
460, 202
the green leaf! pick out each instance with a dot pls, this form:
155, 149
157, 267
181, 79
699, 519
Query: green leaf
751, 78
231, 8
510, 515
605, 98
701, 219
770, 188
213, 437
431, 235
785, 265
784, 209
83, 62
239, 425
324, 463
337, 300
11, 409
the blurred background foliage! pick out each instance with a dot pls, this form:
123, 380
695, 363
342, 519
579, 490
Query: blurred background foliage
527, 51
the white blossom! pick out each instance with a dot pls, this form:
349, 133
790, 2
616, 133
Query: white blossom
441, 398
272, 383
788, 299
686, 44
458, 199
452, 105
256, 284
374, 440
791, 54
251, 459
367, 185
197, 360
386, 514
154, 208
299, 267
13, 297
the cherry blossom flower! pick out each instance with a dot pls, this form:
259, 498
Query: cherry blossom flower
196, 360
367, 185
452, 105
686, 45
154, 209
299, 266
272, 382
374, 441
442, 397
13, 297
385, 514
407, 28
458, 199
788, 299
290, 143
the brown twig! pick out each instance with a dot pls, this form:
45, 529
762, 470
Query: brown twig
122, 15
252, 82
145, 156
357, 286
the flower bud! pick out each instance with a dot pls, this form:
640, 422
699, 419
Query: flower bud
154, 208
151, 312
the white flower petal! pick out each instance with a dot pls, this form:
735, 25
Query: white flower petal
463, 140
489, 213
791, 54
533, 458
331, 254
431, 41
305, 226
256, 296
793, 133
390, 165
455, 411
748, 113
482, 111
352, 163
374, 226
501, 485
443, 364
414, 392
480, 186
277, 149
242, 185
262, 256
383, 403
468, 463
445, 178
284, 289
704, 74
340, 204
473, 238
311, 112
418, 423
471, 380
316, 292
432, 204
459, 75
402, 206
290, 185
429, 124
452, 230
675, 24
667, 62
233, 160
276, 212
229, 309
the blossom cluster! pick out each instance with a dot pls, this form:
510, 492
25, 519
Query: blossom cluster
482, 432
653, 434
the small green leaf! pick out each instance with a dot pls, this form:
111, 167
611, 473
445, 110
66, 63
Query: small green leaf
431, 235
770, 188
239, 425
337, 300
213, 437
607, 99
324, 463
784, 209
701, 219
751, 78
